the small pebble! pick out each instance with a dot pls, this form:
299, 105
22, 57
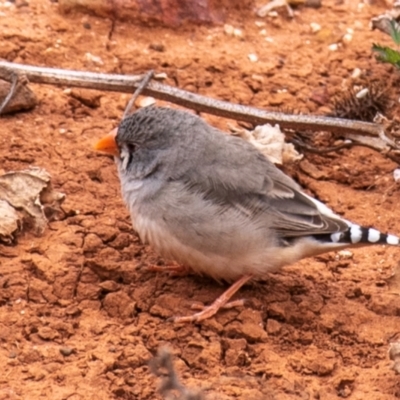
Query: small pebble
62, 131
157, 47
333, 47
145, 102
12, 354
93, 59
260, 24
315, 27
347, 38
86, 25
161, 76
238, 33
362, 93
66, 351
396, 175
356, 73
344, 254
253, 57
232, 31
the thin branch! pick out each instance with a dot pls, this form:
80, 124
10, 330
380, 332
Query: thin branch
324, 150
138, 91
11, 93
128, 83
162, 366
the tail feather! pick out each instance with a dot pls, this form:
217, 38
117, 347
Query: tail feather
358, 235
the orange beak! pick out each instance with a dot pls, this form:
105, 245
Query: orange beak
108, 144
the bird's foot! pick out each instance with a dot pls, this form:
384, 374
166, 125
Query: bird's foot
221, 302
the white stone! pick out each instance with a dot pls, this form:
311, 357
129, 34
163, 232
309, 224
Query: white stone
315, 27
252, 57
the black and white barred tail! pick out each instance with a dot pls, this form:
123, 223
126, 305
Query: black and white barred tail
358, 235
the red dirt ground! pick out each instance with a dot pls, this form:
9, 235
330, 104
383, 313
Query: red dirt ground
79, 314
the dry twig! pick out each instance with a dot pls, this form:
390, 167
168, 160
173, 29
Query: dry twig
11, 93
360, 131
162, 366
138, 91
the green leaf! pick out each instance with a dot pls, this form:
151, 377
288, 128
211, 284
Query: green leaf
386, 54
395, 31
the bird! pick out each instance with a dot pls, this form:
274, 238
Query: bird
215, 204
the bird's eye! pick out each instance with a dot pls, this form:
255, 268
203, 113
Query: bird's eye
131, 147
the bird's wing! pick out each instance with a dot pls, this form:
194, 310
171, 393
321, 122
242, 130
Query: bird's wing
252, 185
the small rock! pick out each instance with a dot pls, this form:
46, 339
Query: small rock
157, 47
66, 351
356, 73
315, 27
12, 354
333, 47
87, 97
250, 331
146, 102
72, 311
273, 326
253, 57
344, 254
161, 76
92, 243
24, 99
396, 175
362, 93
347, 38
232, 31
394, 355
94, 59
109, 286
119, 305
47, 333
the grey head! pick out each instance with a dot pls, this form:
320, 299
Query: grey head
162, 141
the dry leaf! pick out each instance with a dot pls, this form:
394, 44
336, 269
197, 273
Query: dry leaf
271, 142
27, 200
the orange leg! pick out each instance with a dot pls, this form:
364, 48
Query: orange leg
221, 302
231, 304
